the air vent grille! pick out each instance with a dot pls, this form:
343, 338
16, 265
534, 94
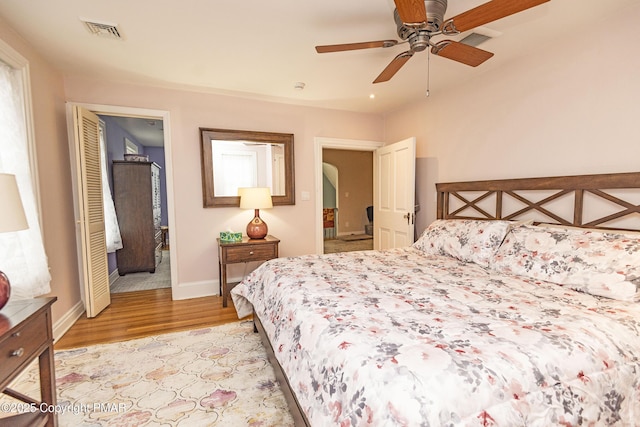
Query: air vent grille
103, 29
475, 39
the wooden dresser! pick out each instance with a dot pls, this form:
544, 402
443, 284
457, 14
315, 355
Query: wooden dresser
136, 189
26, 335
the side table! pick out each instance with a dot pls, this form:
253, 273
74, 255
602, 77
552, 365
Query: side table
26, 334
245, 251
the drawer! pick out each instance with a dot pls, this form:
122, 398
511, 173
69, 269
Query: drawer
248, 253
25, 340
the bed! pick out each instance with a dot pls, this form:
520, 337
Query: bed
492, 318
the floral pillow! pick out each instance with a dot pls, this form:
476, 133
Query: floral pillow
467, 240
594, 262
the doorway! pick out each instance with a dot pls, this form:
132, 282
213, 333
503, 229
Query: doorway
394, 189
347, 194
137, 136
119, 111
335, 144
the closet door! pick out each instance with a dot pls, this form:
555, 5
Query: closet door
90, 218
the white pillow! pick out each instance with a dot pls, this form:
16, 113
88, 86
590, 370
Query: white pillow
597, 263
465, 239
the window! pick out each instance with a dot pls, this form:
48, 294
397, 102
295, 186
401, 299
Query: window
233, 170
130, 147
22, 255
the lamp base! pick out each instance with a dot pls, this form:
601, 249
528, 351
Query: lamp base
257, 228
5, 289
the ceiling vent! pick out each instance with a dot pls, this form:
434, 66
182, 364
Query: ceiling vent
475, 39
103, 29
480, 35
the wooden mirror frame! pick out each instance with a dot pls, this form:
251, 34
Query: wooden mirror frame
208, 135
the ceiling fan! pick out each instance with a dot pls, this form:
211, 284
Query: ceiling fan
418, 21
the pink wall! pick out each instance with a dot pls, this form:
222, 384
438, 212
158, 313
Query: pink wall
54, 174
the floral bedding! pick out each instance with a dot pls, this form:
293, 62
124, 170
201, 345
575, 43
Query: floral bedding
598, 263
405, 338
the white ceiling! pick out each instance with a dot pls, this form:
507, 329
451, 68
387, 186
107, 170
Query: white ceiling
261, 49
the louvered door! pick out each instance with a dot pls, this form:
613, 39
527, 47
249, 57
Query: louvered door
91, 222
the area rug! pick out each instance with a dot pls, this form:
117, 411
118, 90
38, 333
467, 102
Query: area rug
144, 281
217, 376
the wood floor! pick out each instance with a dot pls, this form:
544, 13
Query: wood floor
138, 314
143, 313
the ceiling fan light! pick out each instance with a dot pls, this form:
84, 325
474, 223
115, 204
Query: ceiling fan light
419, 41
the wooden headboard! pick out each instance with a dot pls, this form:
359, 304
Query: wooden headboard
545, 200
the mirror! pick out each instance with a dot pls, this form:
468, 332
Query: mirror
235, 158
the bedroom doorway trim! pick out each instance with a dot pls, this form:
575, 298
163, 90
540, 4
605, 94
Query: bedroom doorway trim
115, 110
339, 144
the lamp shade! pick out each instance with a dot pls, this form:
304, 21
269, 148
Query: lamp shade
12, 217
255, 198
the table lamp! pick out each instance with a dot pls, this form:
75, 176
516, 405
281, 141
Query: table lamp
256, 198
12, 218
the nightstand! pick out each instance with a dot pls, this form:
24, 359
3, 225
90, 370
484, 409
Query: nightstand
26, 335
247, 250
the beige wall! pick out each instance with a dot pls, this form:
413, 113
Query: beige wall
54, 175
355, 187
564, 109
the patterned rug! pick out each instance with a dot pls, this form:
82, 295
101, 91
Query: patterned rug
217, 376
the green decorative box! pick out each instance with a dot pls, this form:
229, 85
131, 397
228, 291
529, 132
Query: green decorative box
230, 236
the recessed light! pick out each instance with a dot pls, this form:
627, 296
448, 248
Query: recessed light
372, 96
299, 86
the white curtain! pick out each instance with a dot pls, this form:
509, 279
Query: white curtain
111, 228
22, 256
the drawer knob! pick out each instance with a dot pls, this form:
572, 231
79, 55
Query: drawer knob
17, 353
251, 253
16, 334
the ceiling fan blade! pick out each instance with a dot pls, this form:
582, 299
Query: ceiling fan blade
394, 66
355, 46
488, 12
411, 11
461, 52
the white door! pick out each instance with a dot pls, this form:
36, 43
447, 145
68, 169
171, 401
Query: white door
394, 185
90, 215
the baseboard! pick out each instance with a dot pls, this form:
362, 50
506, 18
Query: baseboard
205, 288
67, 320
113, 276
